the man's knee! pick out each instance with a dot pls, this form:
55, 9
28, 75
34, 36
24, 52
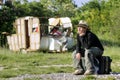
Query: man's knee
88, 52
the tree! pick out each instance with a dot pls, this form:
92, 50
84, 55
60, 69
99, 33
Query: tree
59, 7
7, 16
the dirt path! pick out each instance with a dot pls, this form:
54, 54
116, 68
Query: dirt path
65, 76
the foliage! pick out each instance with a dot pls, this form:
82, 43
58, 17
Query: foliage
6, 19
103, 19
101, 15
60, 8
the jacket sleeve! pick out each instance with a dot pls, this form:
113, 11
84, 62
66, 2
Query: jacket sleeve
78, 45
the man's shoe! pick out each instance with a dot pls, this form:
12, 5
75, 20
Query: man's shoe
78, 72
89, 72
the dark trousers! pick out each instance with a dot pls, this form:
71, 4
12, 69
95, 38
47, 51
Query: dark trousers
88, 60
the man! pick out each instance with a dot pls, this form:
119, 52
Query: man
88, 47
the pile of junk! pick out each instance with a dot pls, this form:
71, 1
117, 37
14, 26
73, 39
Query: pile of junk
30, 35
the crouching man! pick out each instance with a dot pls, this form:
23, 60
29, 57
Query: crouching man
88, 47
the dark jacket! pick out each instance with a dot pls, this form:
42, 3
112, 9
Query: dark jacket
87, 41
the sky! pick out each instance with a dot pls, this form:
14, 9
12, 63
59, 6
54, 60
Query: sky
80, 2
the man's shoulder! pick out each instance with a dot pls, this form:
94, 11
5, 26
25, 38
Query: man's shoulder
89, 33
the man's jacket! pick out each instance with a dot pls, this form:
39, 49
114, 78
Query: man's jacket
87, 41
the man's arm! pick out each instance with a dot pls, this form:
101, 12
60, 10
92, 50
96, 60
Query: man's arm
78, 45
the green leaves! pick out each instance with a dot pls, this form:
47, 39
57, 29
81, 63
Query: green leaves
101, 15
61, 7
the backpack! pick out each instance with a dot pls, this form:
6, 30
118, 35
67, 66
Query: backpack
104, 65
102, 62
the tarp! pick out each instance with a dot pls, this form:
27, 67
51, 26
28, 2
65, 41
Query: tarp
65, 22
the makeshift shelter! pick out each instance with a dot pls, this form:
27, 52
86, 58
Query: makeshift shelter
27, 34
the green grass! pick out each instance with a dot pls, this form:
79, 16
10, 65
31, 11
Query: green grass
114, 53
15, 64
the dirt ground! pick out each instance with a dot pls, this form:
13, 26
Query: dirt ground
65, 76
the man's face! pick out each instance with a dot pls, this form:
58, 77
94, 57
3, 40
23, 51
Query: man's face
82, 30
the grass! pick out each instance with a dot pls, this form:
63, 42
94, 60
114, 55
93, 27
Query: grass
113, 52
15, 64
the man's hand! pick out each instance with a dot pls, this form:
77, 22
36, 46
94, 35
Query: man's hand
78, 56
